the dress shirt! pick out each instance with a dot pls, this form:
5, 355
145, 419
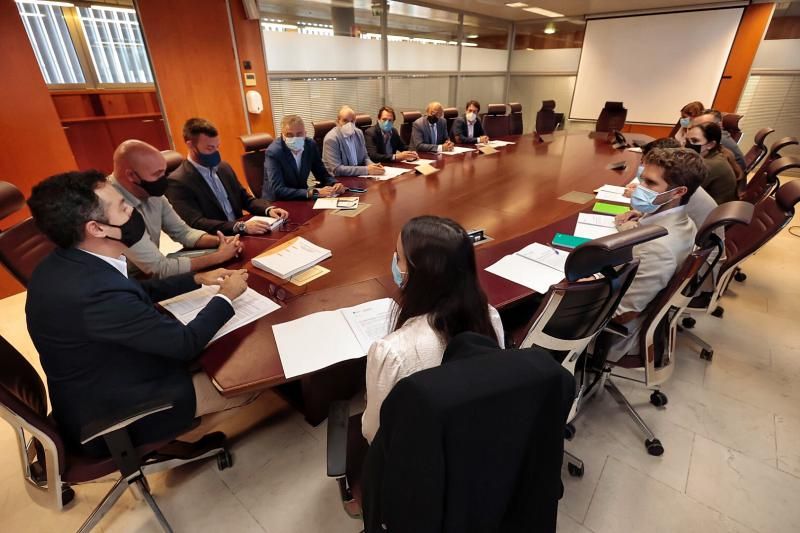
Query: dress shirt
298, 157
387, 141
434, 132
415, 346
350, 142
213, 181
119, 263
470, 128
158, 215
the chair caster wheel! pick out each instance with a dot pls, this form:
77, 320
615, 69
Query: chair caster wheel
658, 398
688, 322
740, 276
224, 460
569, 431
67, 494
654, 447
575, 470
708, 355
718, 312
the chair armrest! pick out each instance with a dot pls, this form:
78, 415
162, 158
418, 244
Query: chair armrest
616, 329
123, 418
338, 421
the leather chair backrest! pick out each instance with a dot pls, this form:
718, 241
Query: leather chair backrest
612, 250
405, 128
757, 152
11, 199
516, 118
22, 247
546, 120
757, 187
612, 117
450, 115
496, 123
730, 123
363, 122
321, 129
173, 158
767, 179
722, 216
255, 146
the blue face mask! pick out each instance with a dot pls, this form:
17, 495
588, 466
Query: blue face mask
686, 122
643, 199
209, 160
396, 273
294, 143
387, 125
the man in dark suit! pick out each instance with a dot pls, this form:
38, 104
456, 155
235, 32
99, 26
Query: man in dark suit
103, 345
205, 191
429, 132
288, 162
384, 144
468, 129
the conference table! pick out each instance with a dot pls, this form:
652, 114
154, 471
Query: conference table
513, 195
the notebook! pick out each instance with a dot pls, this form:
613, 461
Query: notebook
609, 209
291, 257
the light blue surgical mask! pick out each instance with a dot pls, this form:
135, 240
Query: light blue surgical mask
643, 199
686, 122
387, 125
397, 274
294, 143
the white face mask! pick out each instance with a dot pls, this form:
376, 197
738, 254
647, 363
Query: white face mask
471, 116
348, 129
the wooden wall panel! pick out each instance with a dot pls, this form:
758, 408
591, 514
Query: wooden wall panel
191, 50
33, 141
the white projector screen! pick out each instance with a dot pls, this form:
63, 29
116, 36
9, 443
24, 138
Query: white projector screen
654, 64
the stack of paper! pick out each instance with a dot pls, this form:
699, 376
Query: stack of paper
418, 162
458, 150
389, 173
536, 266
342, 202
499, 144
291, 257
612, 193
322, 339
273, 223
249, 307
593, 226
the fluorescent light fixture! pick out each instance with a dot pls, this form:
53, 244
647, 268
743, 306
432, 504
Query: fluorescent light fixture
543, 12
550, 29
473, 36
517, 4
469, 44
46, 3
110, 8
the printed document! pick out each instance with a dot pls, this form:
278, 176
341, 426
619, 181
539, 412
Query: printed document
536, 266
389, 173
291, 257
593, 226
458, 150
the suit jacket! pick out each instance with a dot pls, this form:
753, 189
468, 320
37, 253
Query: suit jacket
421, 138
196, 203
449, 432
335, 154
104, 347
282, 179
376, 147
460, 131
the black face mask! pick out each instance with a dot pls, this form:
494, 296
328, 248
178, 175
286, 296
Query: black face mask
132, 230
154, 188
695, 147
433, 119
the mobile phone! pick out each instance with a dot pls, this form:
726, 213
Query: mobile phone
356, 189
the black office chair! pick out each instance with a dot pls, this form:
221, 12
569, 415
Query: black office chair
546, 121
321, 129
450, 115
437, 464
363, 122
22, 246
612, 117
765, 181
758, 151
572, 313
496, 123
255, 148
51, 469
515, 116
405, 128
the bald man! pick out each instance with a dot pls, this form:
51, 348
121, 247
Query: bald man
343, 150
139, 176
429, 132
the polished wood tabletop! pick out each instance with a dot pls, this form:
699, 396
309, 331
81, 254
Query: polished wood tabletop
513, 195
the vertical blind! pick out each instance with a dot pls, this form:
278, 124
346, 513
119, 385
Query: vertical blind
51, 43
412, 93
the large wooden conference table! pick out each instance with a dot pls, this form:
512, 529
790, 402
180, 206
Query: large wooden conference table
513, 195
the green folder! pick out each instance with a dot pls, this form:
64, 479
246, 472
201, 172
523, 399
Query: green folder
609, 209
569, 241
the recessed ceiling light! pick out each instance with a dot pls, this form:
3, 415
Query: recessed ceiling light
517, 4
543, 12
473, 36
550, 29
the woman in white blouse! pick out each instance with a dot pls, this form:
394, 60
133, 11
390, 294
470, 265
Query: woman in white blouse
434, 266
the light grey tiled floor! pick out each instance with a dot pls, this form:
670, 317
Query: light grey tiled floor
731, 432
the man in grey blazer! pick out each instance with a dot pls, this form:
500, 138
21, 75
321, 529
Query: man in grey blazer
343, 150
429, 132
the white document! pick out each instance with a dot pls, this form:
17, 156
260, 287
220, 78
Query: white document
273, 223
527, 273
590, 231
322, 339
637, 149
417, 162
499, 144
605, 196
290, 258
250, 306
604, 221
389, 173
458, 150
614, 189
341, 202
545, 255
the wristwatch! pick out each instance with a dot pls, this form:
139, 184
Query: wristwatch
239, 227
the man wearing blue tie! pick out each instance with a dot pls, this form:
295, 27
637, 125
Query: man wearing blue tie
344, 151
429, 132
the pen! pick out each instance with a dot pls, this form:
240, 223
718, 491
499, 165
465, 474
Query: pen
552, 248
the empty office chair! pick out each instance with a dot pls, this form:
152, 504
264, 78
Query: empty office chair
496, 123
255, 147
758, 151
767, 180
572, 313
730, 123
546, 120
363, 122
405, 128
758, 185
174, 160
612, 117
22, 245
50, 469
450, 115
437, 464
515, 116
321, 129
